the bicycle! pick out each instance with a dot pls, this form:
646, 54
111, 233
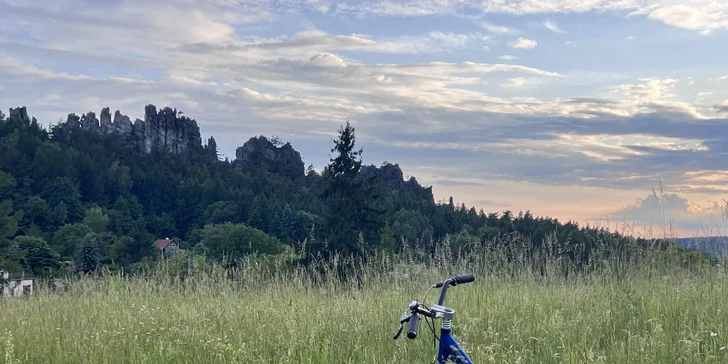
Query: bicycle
449, 348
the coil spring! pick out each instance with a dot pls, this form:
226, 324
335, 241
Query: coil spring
446, 324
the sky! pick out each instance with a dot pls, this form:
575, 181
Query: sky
605, 112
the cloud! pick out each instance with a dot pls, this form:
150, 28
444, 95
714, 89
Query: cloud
450, 182
703, 16
12, 66
485, 202
506, 57
698, 15
523, 43
662, 210
498, 29
327, 60
515, 82
722, 107
553, 27
651, 88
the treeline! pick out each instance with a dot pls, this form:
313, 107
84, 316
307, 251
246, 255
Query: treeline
74, 200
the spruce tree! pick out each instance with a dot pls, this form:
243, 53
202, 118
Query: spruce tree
89, 255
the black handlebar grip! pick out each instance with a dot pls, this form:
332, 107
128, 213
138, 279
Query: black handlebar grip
464, 278
413, 325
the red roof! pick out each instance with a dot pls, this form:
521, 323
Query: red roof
162, 243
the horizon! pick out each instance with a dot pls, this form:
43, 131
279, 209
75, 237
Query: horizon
570, 110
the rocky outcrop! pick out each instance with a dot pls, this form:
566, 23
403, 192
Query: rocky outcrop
259, 152
105, 121
391, 176
19, 113
165, 128
122, 124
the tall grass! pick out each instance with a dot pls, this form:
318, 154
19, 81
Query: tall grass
628, 307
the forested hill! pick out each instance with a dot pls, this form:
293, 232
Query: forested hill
94, 191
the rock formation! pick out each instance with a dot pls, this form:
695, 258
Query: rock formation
262, 153
21, 113
164, 128
393, 179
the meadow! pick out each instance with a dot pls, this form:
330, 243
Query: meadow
662, 309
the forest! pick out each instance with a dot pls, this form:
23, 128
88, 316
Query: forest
82, 195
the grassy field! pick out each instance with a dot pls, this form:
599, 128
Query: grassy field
650, 313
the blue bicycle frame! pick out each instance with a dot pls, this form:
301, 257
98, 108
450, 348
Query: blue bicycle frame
449, 348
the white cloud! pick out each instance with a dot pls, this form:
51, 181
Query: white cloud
515, 82
14, 66
650, 89
498, 29
703, 16
661, 210
507, 57
552, 26
327, 60
523, 43
722, 108
699, 15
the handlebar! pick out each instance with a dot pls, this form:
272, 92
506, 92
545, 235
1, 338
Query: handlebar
464, 278
453, 281
413, 316
413, 325
459, 279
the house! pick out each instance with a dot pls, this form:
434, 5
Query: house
168, 246
15, 285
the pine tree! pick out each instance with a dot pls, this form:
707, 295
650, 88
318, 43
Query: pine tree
34, 255
255, 216
287, 223
349, 197
89, 255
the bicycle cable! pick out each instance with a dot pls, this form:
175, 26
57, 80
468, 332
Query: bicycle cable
431, 326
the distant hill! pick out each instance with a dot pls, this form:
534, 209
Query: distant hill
713, 246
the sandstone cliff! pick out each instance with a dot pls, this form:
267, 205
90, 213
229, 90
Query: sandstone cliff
259, 152
165, 128
20, 113
393, 179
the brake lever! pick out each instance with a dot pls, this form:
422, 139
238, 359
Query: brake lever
406, 316
398, 331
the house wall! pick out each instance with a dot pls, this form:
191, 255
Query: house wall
171, 248
16, 287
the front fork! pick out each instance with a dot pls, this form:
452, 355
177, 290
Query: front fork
450, 350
